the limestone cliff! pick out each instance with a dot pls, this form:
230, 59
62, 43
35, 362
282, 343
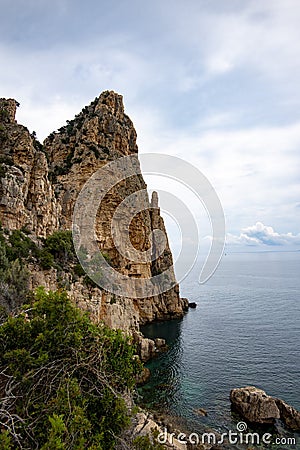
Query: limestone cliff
26, 195
39, 185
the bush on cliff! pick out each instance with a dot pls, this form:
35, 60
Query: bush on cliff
13, 277
63, 379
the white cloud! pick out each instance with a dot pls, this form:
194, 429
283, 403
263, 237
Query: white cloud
259, 36
52, 85
255, 171
262, 235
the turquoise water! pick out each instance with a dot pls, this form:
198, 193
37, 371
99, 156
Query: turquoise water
244, 331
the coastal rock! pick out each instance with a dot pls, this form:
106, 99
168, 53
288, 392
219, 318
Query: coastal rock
146, 426
160, 344
192, 305
256, 406
185, 303
201, 412
101, 133
144, 377
289, 415
39, 185
146, 348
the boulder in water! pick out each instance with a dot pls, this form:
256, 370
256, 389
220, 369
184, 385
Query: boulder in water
192, 305
255, 406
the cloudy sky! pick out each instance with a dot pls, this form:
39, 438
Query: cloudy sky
213, 82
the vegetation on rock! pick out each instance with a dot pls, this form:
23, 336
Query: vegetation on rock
64, 380
17, 250
13, 274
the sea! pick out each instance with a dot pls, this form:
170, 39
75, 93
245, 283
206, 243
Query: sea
244, 331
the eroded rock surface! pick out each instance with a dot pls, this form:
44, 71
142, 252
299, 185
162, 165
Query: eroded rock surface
255, 406
39, 185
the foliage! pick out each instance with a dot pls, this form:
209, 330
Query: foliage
13, 286
78, 270
21, 246
13, 275
94, 149
64, 378
56, 251
3, 114
58, 247
4, 159
36, 143
147, 443
5, 440
60, 243
46, 259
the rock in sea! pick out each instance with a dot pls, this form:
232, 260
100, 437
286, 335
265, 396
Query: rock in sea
255, 406
192, 305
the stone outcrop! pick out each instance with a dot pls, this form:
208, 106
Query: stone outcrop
26, 195
289, 415
144, 424
255, 406
149, 348
8, 108
144, 377
39, 185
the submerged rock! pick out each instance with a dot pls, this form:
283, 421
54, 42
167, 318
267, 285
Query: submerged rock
201, 412
255, 406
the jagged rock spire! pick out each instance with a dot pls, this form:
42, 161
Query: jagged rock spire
8, 108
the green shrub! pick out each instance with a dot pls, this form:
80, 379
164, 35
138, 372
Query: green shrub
46, 259
78, 270
5, 440
94, 149
14, 277
4, 263
60, 245
145, 443
6, 160
21, 246
89, 282
3, 114
13, 285
67, 376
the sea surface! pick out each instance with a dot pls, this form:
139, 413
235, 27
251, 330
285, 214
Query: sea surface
244, 331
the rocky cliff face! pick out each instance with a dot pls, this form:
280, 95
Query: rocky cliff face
26, 195
39, 185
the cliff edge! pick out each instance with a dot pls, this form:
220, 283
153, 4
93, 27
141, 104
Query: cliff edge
39, 185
